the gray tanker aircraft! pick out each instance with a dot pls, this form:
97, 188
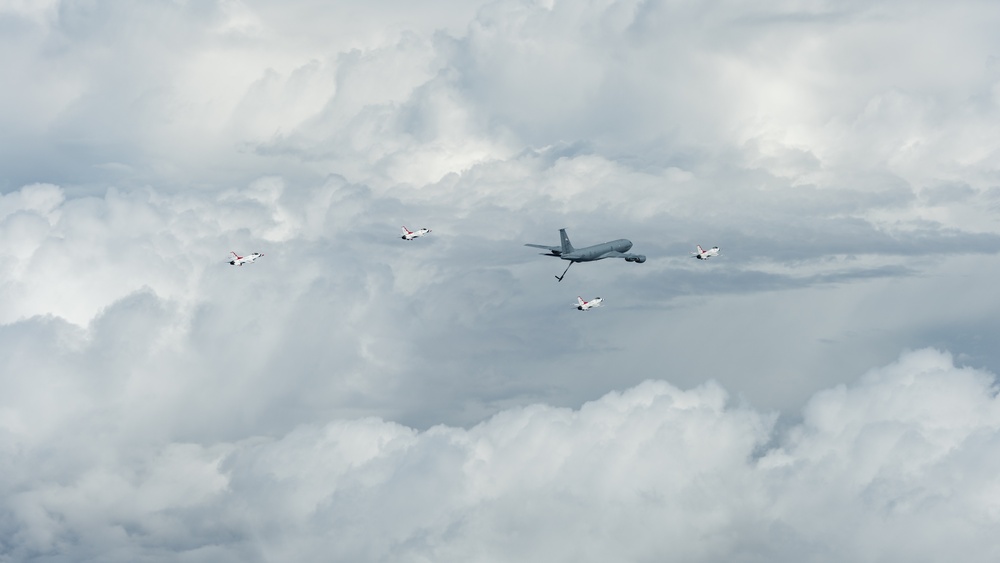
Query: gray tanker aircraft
613, 249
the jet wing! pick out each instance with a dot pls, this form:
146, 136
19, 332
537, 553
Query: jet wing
555, 250
627, 256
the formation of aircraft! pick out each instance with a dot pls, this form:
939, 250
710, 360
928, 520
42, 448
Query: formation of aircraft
410, 235
238, 260
565, 251
612, 249
703, 254
582, 305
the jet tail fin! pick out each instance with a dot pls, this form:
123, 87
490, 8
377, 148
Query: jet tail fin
567, 247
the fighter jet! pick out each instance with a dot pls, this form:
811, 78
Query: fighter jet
410, 235
703, 254
613, 249
238, 260
582, 305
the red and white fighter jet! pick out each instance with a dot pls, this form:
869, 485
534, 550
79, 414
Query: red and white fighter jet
410, 235
582, 305
238, 260
703, 254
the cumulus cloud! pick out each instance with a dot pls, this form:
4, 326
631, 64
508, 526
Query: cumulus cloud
792, 136
355, 395
900, 464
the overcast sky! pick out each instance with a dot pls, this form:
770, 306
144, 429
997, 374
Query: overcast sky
825, 390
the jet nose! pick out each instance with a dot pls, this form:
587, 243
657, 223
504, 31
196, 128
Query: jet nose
628, 245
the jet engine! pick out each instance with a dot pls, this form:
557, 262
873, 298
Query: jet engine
639, 258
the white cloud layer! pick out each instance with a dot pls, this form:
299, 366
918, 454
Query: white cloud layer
901, 464
354, 397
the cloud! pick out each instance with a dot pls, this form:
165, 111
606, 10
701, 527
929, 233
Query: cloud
159, 403
899, 464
